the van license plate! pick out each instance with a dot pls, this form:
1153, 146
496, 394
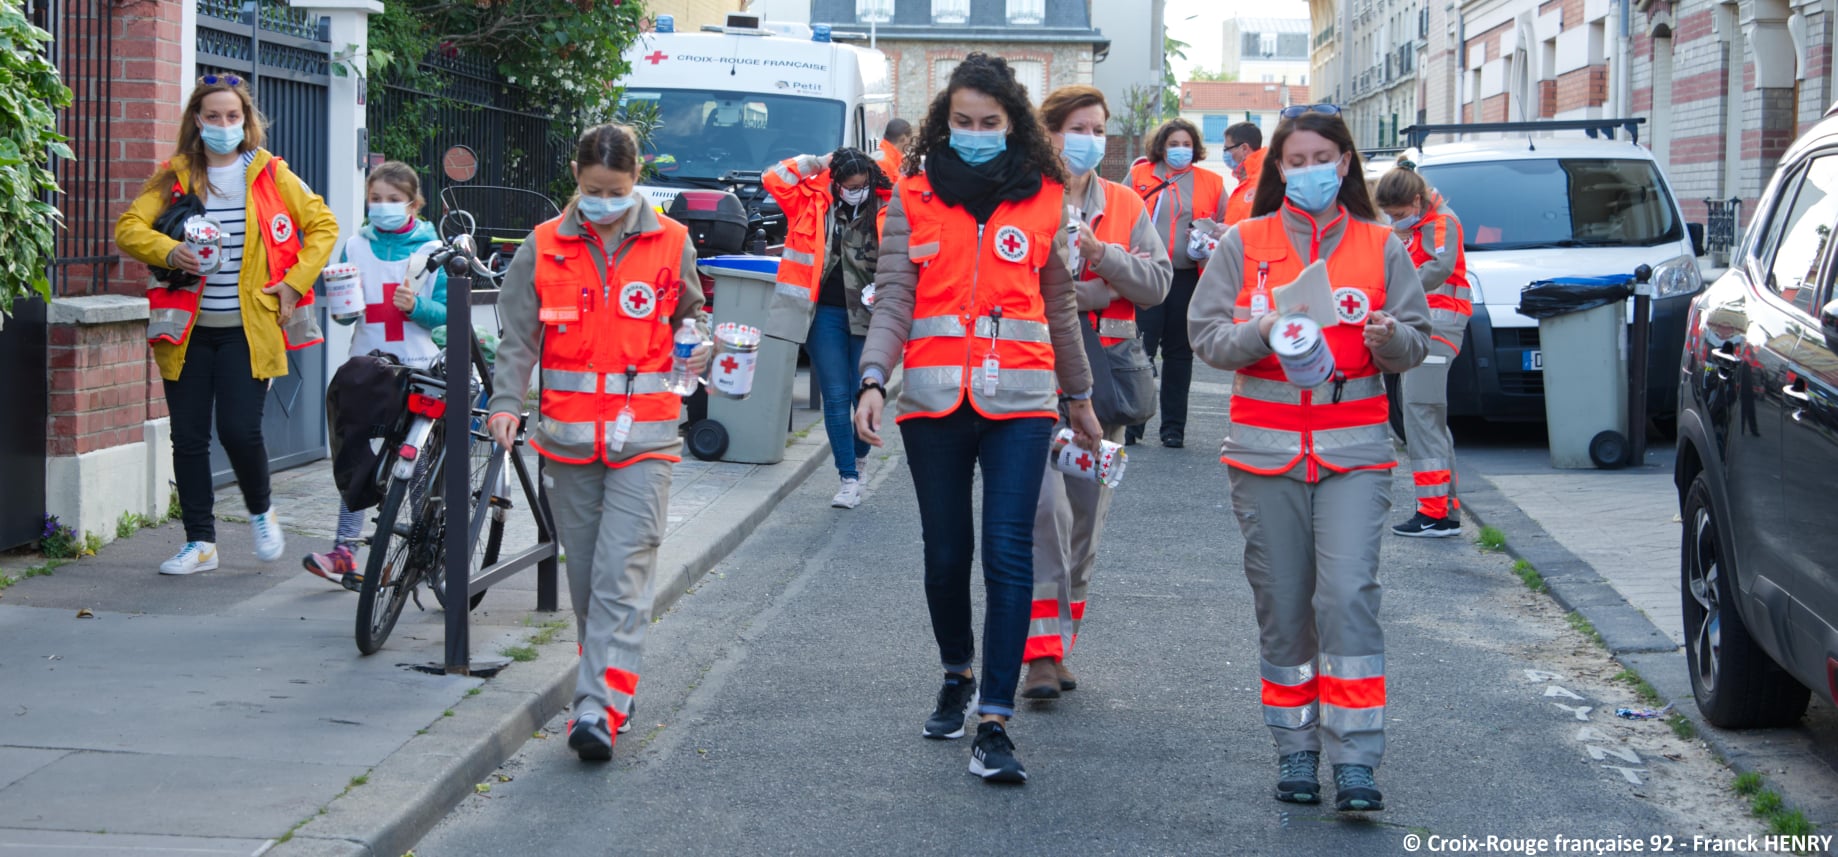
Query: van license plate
1533, 360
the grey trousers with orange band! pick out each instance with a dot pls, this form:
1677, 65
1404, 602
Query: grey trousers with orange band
1311, 555
1431, 447
611, 522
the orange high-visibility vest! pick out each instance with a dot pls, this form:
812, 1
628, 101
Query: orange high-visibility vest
1269, 413
980, 299
607, 342
1207, 188
1436, 235
806, 202
173, 312
1238, 205
1117, 322
889, 157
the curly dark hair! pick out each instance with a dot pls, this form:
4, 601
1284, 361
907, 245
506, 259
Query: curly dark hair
992, 77
848, 162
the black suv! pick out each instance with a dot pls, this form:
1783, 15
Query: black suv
1758, 454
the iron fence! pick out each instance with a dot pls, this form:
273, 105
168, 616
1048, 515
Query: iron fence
82, 48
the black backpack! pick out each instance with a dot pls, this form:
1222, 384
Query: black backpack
183, 205
364, 401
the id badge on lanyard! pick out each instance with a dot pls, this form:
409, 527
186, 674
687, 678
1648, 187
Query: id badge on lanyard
992, 362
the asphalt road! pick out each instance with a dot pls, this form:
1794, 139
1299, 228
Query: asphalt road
781, 702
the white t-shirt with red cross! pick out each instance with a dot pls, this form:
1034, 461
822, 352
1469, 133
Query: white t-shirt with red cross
383, 327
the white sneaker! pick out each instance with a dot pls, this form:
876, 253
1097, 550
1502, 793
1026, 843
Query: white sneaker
270, 542
849, 496
195, 556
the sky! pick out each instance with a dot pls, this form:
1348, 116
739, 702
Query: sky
1205, 30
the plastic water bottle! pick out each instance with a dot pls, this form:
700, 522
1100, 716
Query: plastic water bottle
683, 381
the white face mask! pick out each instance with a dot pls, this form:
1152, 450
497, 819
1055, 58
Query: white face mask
855, 196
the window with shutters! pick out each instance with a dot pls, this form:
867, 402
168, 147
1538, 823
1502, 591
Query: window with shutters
950, 11
1027, 13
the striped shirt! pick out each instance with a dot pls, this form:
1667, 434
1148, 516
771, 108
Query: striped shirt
225, 201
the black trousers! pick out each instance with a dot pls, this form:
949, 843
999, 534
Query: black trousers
1164, 330
217, 377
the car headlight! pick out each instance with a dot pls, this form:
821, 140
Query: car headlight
1677, 277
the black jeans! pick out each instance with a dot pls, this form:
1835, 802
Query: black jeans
1164, 329
944, 453
217, 376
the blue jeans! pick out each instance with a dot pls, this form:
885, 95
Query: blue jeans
944, 453
834, 355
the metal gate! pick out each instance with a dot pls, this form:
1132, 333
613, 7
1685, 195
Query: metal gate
285, 54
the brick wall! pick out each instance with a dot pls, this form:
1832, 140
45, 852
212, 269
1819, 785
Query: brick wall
1493, 108
1547, 99
914, 65
144, 116
1584, 87
101, 377
1572, 16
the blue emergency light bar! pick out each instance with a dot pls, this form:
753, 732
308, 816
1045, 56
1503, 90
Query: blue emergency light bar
666, 23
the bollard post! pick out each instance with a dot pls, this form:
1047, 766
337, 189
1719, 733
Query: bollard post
456, 476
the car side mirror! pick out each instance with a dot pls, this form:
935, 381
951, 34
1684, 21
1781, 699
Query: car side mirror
1696, 231
1828, 321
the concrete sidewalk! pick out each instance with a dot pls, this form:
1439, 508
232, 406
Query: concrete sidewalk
229, 712
1607, 545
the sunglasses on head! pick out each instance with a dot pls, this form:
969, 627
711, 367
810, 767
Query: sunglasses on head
1294, 110
223, 79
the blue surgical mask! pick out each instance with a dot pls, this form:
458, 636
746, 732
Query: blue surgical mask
389, 216
1313, 188
220, 139
1403, 223
1083, 152
978, 147
604, 210
1179, 158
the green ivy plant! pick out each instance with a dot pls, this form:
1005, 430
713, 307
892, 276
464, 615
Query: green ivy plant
30, 96
566, 54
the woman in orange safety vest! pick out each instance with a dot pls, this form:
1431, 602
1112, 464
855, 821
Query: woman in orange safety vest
220, 341
975, 296
589, 307
1310, 467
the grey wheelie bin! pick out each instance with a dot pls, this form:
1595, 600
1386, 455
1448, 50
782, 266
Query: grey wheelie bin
752, 430
1583, 345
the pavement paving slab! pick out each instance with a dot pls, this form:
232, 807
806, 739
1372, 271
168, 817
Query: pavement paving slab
219, 713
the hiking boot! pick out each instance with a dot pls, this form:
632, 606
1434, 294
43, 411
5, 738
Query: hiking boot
1355, 790
332, 565
1175, 439
270, 542
1066, 680
1295, 779
588, 737
1042, 679
954, 701
626, 724
1422, 526
195, 556
992, 757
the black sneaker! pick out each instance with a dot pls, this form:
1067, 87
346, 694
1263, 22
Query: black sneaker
1295, 779
1355, 791
589, 739
1422, 526
954, 701
631, 713
1132, 435
992, 757
1174, 439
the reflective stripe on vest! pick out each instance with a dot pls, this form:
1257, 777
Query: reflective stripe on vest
593, 331
1270, 415
1208, 187
1122, 209
958, 297
1455, 297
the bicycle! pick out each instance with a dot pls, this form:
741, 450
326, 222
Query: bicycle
407, 548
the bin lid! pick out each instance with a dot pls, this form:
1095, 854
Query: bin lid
751, 267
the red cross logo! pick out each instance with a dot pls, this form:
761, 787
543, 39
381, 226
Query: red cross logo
1084, 461
729, 364
387, 314
1351, 304
1011, 244
1293, 331
205, 253
657, 57
639, 301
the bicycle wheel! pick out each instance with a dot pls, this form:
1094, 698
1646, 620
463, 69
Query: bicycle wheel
490, 541
397, 551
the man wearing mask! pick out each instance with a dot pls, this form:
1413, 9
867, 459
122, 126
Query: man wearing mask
1244, 156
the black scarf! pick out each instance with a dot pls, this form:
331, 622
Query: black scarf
979, 188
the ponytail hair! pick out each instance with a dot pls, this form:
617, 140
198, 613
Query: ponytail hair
608, 145
1400, 187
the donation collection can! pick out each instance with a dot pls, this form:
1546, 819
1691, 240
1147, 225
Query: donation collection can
344, 289
205, 238
734, 359
1104, 467
1307, 360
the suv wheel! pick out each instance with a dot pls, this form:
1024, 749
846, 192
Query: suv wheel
1736, 683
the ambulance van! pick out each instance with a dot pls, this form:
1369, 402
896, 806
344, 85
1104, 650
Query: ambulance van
734, 100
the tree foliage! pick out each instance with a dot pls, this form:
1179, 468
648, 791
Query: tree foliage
30, 96
1208, 75
1172, 49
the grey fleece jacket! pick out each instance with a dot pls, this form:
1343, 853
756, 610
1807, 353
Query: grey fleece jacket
896, 278
1438, 269
1123, 271
1225, 345
520, 349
